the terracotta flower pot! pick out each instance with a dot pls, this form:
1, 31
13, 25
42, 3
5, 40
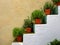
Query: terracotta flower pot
38, 21
19, 38
47, 11
28, 30
58, 3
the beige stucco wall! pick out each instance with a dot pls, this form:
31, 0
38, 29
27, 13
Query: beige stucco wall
12, 14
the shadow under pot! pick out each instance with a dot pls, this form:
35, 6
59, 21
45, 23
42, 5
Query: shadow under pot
38, 21
47, 11
19, 38
28, 30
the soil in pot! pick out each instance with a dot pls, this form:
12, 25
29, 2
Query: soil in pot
19, 38
28, 30
38, 21
47, 11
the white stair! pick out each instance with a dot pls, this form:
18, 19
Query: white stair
58, 10
29, 39
17, 43
44, 33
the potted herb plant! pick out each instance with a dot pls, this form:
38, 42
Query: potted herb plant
48, 7
44, 19
55, 42
54, 10
56, 2
18, 34
37, 16
28, 25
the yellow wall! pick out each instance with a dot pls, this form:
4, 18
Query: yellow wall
12, 14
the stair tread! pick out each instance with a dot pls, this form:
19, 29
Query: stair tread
17, 43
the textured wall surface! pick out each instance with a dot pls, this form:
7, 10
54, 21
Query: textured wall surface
12, 14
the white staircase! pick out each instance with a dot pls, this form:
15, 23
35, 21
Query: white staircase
44, 33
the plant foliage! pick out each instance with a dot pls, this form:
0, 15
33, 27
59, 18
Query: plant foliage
27, 23
37, 14
55, 42
48, 5
18, 31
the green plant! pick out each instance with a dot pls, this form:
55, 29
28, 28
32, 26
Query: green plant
55, 1
44, 19
55, 42
48, 5
37, 14
18, 31
54, 10
27, 23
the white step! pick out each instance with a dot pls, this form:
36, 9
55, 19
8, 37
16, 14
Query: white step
53, 19
40, 28
58, 10
17, 43
29, 39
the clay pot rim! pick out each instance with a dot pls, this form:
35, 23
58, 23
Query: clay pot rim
47, 9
